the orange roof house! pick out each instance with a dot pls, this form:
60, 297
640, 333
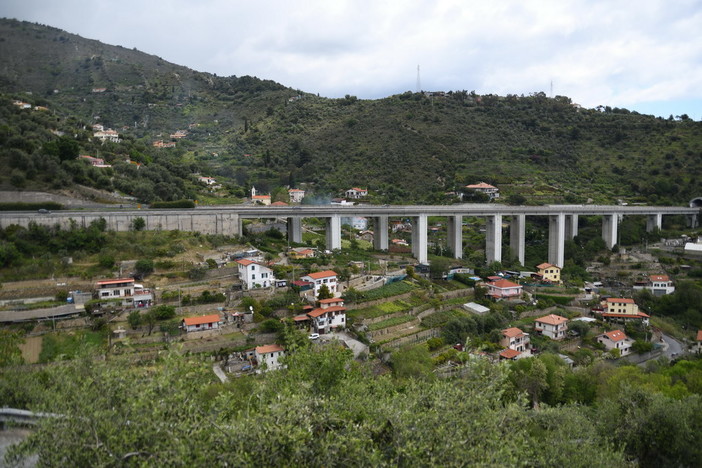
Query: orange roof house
203, 322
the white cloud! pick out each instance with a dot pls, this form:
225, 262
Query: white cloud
620, 53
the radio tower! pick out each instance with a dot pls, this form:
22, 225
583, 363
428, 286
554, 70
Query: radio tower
419, 83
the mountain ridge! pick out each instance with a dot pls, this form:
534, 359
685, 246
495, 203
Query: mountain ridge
410, 147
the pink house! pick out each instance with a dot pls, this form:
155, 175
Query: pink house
503, 288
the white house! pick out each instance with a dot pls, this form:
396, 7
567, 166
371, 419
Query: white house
254, 275
320, 278
107, 135
330, 314
356, 222
356, 192
296, 195
553, 326
269, 355
122, 287
659, 285
516, 339
202, 323
490, 190
207, 180
616, 339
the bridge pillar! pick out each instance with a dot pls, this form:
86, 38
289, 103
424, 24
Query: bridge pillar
610, 225
419, 238
455, 235
556, 239
692, 221
517, 233
493, 238
295, 230
333, 232
571, 226
654, 221
380, 233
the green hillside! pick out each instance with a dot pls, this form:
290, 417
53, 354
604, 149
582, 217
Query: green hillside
408, 148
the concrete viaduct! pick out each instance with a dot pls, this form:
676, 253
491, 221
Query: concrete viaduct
227, 220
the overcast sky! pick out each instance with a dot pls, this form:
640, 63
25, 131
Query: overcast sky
644, 55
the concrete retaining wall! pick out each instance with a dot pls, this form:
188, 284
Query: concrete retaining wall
389, 330
412, 339
206, 223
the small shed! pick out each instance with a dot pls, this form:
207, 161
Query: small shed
475, 308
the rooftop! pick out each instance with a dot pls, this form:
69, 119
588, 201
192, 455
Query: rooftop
552, 319
212, 318
271, 348
321, 274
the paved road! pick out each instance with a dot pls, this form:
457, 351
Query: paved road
674, 347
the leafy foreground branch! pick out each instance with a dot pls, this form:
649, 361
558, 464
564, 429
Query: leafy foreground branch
324, 410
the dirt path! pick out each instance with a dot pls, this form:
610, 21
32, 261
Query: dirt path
31, 349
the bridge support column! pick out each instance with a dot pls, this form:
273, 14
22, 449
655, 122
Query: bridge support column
556, 239
654, 221
517, 233
295, 230
380, 233
571, 226
419, 238
493, 239
610, 225
692, 221
333, 232
455, 235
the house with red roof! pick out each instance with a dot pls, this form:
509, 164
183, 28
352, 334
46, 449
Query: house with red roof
510, 354
618, 309
616, 339
553, 326
327, 277
514, 338
490, 190
504, 289
296, 195
260, 199
330, 314
550, 273
659, 285
268, 356
356, 192
201, 323
254, 275
110, 288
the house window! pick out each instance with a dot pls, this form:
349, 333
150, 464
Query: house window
253, 267
253, 277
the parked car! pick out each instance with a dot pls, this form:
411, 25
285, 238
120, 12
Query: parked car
314, 336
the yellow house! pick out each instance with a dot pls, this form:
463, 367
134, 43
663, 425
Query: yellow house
550, 272
623, 309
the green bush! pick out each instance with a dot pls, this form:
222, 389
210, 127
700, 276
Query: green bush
30, 206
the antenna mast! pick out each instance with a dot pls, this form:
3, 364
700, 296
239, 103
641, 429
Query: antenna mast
419, 82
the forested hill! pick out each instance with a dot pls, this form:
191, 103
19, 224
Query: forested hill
407, 148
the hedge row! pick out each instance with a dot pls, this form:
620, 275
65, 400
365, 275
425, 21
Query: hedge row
11, 206
173, 204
